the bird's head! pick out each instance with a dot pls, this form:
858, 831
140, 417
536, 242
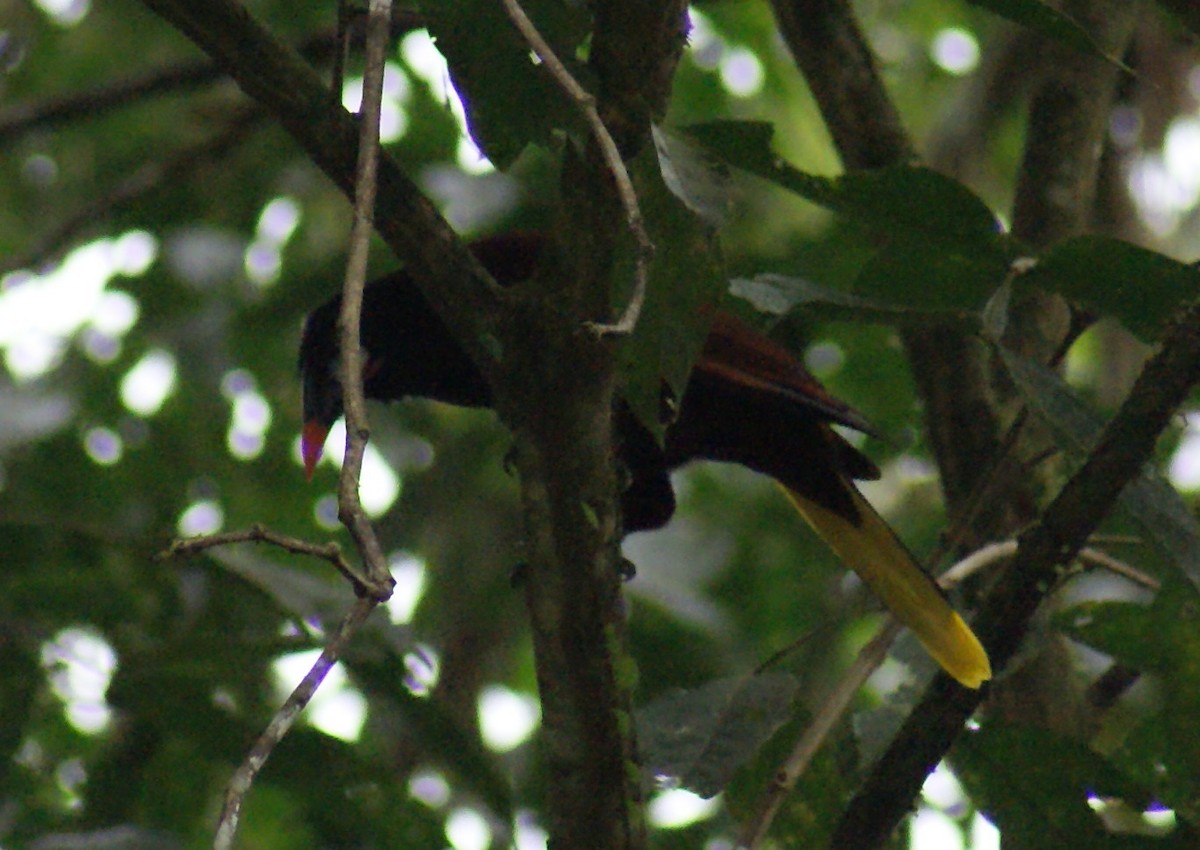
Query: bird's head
407, 349
322, 390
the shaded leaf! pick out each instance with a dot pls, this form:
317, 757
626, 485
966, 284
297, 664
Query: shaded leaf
1158, 638
1050, 22
1154, 504
1142, 288
1035, 786
685, 284
916, 200
932, 276
509, 101
808, 813
700, 738
778, 295
695, 177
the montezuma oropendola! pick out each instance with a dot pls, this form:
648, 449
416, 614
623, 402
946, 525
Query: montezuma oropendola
748, 401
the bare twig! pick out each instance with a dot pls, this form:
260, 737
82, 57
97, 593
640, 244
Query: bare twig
350, 510
837, 702
331, 552
823, 722
612, 159
868, 660
282, 722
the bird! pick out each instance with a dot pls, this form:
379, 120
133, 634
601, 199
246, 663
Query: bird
748, 401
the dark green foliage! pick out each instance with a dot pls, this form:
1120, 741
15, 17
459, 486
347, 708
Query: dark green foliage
833, 266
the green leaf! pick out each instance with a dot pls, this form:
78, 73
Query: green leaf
685, 284
915, 200
1035, 786
943, 247
932, 276
695, 177
1157, 508
510, 102
701, 737
1157, 638
1187, 12
1050, 22
778, 295
1142, 288
808, 814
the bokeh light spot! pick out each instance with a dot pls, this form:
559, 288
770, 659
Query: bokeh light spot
466, 829
506, 718
679, 807
149, 383
80, 664
955, 51
103, 445
201, 517
741, 72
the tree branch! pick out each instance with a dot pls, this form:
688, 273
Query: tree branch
350, 510
272, 73
94, 101
1124, 448
951, 372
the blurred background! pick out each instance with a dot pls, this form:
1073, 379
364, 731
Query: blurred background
160, 243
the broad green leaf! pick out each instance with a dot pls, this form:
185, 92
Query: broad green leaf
911, 199
685, 284
932, 276
510, 102
1140, 287
700, 738
776, 295
943, 248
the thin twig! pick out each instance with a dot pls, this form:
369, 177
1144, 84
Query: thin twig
379, 582
835, 705
282, 722
868, 660
612, 158
350, 510
188, 546
810, 743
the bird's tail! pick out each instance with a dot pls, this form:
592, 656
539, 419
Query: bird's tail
872, 550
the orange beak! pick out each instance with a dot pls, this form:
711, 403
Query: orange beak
312, 443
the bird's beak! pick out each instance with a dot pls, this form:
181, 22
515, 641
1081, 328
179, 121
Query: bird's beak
312, 442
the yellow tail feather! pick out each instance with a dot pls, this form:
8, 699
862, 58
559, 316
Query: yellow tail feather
873, 551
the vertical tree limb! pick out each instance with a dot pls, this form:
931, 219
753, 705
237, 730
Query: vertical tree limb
350, 510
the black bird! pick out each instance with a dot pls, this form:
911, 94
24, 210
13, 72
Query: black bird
747, 401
